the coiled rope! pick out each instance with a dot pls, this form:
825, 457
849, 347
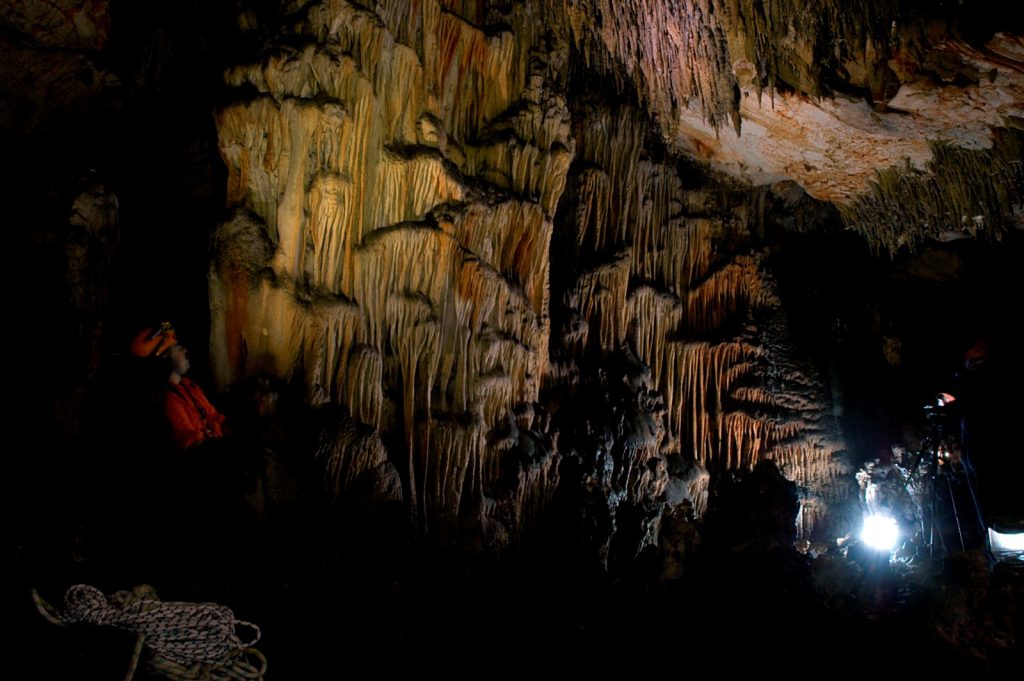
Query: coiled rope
188, 640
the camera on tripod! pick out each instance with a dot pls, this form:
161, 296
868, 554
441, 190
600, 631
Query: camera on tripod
941, 406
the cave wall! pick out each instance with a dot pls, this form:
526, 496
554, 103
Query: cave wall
442, 223
525, 247
408, 275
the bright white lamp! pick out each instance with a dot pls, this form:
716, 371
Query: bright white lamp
880, 532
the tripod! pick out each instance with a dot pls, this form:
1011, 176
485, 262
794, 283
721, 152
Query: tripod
951, 515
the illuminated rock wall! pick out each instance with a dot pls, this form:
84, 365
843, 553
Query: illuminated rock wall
429, 234
668, 271
404, 168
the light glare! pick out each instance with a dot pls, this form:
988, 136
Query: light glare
1005, 543
880, 532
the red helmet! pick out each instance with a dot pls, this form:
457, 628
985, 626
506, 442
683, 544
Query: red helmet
154, 341
978, 351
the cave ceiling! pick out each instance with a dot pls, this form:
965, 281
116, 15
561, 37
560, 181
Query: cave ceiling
827, 96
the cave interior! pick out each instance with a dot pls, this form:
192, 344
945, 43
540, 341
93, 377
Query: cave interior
548, 331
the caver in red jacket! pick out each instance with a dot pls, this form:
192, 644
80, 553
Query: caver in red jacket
193, 419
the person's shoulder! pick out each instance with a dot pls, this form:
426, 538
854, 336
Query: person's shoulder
184, 383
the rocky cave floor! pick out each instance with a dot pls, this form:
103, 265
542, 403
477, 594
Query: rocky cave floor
338, 592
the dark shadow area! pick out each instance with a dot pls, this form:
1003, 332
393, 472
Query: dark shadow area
889, 333
336, 592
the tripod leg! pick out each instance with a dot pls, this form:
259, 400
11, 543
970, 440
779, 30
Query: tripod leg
956, 514
978, 515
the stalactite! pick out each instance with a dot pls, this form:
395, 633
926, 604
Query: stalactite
683, 255
692, 57
267, 329
409, 298
404, 163
450, 321
758, 396
409, 188
524, 151
797, 80
695, 377
698, 489
356, 464
328, 249
250, 137
535, 489
682, 284
783, 41
610, 143
960, 193
600, 298
809, 450
672, 282
748, 439
812, 461
476, 75
672, 52
512, 236
508, 334
723, 293
655, 318
331, 328
645, 475
684, 295
454, 452
360, 385
355, 134
350, 453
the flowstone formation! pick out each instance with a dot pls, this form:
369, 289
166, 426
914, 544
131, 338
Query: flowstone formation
432, 234
395, 175
665, 267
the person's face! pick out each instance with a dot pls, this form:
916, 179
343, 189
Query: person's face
179, 360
